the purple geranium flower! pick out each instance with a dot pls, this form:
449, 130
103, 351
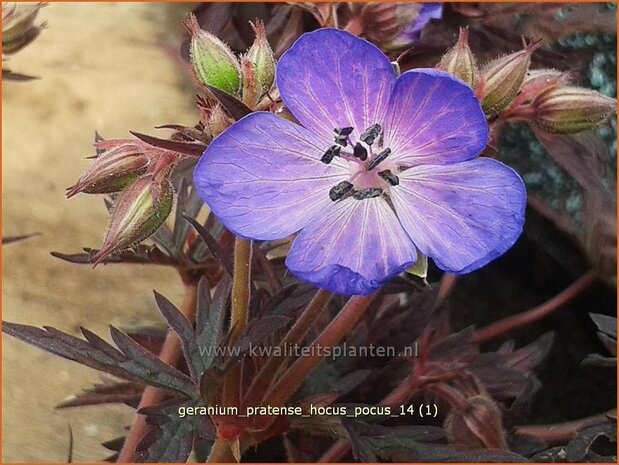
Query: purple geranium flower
380, 167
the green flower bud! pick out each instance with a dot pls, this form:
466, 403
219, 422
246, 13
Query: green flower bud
501, 79
213, 62
460, 60
138, 212
567, 110
262, 58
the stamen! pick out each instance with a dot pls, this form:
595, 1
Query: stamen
388, 176
347, 131
340, 190
379, 159
367, 193
341, 135
331, 153
370, 134
360, 152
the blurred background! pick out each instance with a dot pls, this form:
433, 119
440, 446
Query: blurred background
103, 67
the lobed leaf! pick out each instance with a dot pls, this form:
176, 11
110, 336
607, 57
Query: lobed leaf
134, 363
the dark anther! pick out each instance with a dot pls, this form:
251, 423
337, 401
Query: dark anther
331, 153
341, 135
360, 152
379, 159
347, 131
339, 191
341, 140
388, 176
367, 193
370, 134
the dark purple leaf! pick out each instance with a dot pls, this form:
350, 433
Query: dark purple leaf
10, 239
8, 75
125, 393
231, 104
135, 364
216, 249
188, 204
187, 148
171, 437
606, 324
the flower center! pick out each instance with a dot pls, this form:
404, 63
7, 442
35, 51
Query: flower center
371, 174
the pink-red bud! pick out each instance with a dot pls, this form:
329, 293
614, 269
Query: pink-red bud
478, 425
119, 163
18, 28
262, 58
460, 60
138, 212
501, 79
567, 110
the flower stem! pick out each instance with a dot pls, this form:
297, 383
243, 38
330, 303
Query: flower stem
295, 335
522, 319
238, 314
240, 286
170, 353
221, 452
335, 331
560, 433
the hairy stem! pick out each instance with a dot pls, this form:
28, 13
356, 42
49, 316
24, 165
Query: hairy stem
295, 335
335, 331
522, 319
170, 354
240, 286
238, 315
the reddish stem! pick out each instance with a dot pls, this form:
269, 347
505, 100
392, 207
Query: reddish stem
522, 319
170, 353
560, 433
335, 331
295, 335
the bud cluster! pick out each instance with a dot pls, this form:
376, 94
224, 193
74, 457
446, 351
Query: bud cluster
137, 174
18, 27
509, 90
249, 77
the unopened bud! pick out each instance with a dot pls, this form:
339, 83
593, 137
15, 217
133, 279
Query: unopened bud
218, 121
18, 28
478, 425
251, 88
262, 58
501, 79
567, 110
213, 62
138, 212
460, 60
119, 164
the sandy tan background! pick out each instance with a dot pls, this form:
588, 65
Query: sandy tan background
103, 67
